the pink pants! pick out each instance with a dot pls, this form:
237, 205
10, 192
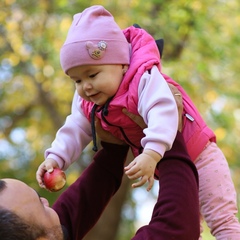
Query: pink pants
217, 195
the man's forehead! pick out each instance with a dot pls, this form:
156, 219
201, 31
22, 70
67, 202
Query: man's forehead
11, 192
12, 183
18, 197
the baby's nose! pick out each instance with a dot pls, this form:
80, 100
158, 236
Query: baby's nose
87, 86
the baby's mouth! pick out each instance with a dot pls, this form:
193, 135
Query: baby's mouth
92, 95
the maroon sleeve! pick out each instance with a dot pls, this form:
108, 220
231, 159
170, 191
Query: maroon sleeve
81, 205
176, 213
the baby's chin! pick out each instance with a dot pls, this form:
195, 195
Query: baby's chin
99, 102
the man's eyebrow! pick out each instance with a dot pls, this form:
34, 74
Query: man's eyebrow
2, 185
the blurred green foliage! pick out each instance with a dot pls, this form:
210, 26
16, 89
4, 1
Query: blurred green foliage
201, 52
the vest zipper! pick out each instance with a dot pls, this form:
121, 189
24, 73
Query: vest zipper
121, 129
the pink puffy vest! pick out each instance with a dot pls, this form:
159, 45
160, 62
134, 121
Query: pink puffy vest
195, 131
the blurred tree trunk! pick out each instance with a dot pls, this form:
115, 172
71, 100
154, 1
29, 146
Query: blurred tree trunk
108, 225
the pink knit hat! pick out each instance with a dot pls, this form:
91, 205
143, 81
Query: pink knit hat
94, 38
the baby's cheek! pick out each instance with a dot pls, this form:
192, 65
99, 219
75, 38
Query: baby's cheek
82, 94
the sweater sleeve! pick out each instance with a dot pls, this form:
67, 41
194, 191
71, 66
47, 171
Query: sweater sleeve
176, 213
81, 205
158, 108
71, 138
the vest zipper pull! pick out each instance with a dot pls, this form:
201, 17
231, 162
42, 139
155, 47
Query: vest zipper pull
188, 116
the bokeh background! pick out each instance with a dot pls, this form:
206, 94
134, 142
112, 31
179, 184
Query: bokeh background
201, 53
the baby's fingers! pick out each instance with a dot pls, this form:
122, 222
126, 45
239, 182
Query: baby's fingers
39, 176
129, 166
133, 175
140, 183
150, 183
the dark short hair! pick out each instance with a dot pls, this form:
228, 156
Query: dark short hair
2, 185
13, 227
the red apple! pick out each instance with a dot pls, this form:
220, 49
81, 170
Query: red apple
55, 180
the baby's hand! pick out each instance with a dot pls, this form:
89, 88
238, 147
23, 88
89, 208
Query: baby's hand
143, 167
47, 166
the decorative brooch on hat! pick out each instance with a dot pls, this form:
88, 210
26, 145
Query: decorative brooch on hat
96, 51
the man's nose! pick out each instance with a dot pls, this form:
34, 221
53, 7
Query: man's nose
44, 202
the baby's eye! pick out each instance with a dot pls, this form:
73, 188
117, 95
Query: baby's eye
93, 75
78, 81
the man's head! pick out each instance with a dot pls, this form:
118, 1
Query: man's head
24, 215
94, 38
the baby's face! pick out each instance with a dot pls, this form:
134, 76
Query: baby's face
97, 83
